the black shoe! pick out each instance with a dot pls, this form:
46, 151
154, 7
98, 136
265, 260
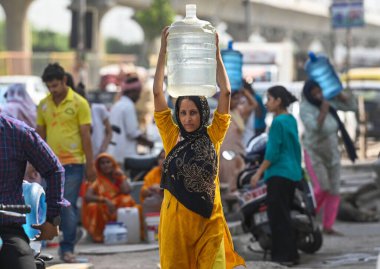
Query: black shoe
288, 263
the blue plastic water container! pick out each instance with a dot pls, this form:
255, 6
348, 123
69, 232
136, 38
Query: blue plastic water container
319, 69
34, 195
233, 62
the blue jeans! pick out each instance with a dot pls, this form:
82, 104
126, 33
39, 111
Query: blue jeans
74, 174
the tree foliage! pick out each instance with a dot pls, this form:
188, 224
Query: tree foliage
114, 45
155, 18
47, 40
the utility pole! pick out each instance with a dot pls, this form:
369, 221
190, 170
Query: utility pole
248, 19
81, 48
348, 55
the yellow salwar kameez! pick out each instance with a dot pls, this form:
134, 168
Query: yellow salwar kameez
186, 239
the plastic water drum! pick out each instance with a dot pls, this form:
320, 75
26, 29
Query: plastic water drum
191, 61
129, 216
34, 195
152, 220
115, 233
233, 62
319, 69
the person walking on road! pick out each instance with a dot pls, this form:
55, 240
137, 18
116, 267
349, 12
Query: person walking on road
241, 107
282, 167
101, 130
21, 106
321, 143
125, 126
193, 232
64, 121
19, 144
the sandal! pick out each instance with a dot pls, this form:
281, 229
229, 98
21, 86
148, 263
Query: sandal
69, 257
332, 232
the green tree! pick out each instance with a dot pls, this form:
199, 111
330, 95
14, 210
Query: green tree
152, 21
47, 40
114, 45
2, 35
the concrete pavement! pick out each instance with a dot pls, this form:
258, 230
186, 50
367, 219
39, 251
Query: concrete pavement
357, 249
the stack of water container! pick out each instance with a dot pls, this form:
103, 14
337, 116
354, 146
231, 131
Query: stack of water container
233, 62
191, 63
319, 69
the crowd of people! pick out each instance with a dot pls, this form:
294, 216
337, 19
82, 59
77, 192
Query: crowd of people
81, 145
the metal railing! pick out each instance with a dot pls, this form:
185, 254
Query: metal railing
27, 63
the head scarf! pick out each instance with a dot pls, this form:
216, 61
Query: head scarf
20, 105
131, 83
118, 176
190, 168
349, 145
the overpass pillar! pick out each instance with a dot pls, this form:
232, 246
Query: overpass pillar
18, 38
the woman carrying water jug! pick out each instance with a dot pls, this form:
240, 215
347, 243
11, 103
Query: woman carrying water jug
193, 232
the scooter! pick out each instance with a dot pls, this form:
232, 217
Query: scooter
253, 207
21, 211
137, 167
255, 219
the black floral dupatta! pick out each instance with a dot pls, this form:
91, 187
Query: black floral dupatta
190, 168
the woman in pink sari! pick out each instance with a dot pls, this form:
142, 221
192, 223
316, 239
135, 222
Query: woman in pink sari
20, 105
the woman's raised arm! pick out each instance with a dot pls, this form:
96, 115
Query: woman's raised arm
160, 103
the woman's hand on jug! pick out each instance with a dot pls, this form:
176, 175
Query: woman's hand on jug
164, 38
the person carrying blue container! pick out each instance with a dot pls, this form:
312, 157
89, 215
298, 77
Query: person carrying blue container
321, 146
319, 69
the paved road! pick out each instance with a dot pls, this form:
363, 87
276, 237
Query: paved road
357, 249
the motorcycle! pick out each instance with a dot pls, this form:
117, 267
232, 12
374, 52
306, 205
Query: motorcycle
253, 207
21, 211
136, 168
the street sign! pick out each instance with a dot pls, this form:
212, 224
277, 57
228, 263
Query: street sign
347, 13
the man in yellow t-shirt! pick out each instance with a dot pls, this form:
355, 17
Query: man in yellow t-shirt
64, 121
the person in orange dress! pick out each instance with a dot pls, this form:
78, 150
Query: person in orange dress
104, 196
152, 180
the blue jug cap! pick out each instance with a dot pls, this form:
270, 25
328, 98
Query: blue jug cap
230, 44
312, 56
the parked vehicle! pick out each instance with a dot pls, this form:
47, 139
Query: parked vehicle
253, 205
20, 211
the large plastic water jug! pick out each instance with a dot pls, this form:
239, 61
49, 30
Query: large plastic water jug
115, 233
130, 218
233, 62
191, 63
320, 70
34, 195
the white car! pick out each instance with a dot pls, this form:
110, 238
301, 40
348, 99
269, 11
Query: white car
34, 87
